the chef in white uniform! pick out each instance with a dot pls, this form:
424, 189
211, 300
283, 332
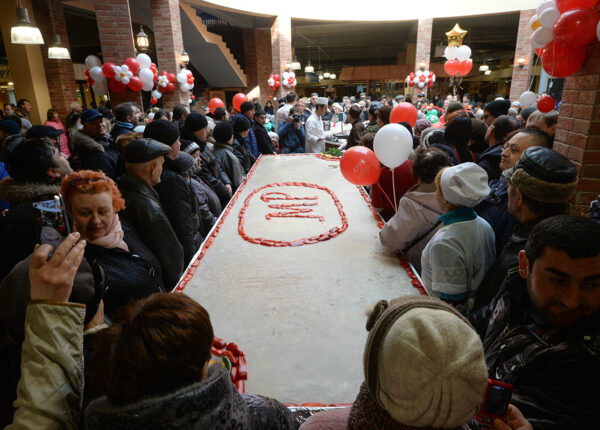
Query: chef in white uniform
315, 134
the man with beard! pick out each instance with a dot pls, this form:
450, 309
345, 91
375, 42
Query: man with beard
126, 118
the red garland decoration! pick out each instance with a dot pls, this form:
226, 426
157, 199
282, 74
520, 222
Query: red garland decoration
239, 366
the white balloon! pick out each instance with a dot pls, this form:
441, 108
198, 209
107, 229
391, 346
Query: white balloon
545, 5
450, 52
181, 77
190, 101
144, 60
393, 145
125, 80
598, 31
117, 70
541, 37
528, 98
156, 94
463, 53
100, 87
96, 73
151, 115
549, 17
285, 76
185, 87
92, 61
146, 75
129, 75
421, 84
124, 68
191, 86
292, 75
147, 86
532, 20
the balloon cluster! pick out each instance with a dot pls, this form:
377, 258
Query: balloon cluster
459, 60
288, 79
432, 113
186, 83
544, 104
561, 31
273, 81
421, 78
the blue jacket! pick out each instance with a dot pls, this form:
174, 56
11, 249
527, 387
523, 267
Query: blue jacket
250, 140
494, 209
291, 139
3, 174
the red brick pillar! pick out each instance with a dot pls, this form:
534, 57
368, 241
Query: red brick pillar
60, 76
281, 46
578, 130
166, 23
423, 49
257, 58
116, 40
520, 75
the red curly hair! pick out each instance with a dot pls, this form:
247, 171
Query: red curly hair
92, 182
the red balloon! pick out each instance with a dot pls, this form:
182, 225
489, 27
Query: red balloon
404, 112
170, 86
411, 83
560, 62
565, 5
465, 67
161, 89
276, 76
545, 104
117, 86
153, 68
133, 65
215, 103
171, 77
438, 124
238, 99
576, 28
452, 67
108, 70
430, 84
135, 84
360, 166
153, 100
411, 75
163, 73
538, 51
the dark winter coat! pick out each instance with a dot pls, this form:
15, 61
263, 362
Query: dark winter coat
121, 128
551, 368
200, 186
207, 218
242, 153
494, 209
129, 275
143, 210
489, 160
94, 154
262, 139
181, 207
230, 163
291, 139
250, 139
210, 404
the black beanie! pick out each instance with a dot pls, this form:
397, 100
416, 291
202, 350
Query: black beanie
498, 107
195, 121
246, 106
223, 131
162, 131
240, 124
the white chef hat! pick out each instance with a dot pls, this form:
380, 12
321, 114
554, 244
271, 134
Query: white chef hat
322, 101
465, 185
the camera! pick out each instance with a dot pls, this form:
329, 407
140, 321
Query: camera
296, 118
497, 398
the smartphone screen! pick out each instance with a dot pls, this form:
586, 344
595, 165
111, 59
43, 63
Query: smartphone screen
50, 219
498, 400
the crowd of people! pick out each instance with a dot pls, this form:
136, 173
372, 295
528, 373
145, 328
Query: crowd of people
90, 337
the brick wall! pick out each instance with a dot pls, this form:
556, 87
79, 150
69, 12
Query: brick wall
520, 76
281, 46
60, 76
423, 49
257, 54
169, 43
578, 129
116, 40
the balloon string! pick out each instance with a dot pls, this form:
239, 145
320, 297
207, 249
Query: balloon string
394, 189
386, 196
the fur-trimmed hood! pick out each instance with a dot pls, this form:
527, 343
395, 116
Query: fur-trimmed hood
18, 192
81, 141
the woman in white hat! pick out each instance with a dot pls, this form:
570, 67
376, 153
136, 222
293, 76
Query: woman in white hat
456, 259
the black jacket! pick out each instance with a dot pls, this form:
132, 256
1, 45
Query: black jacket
494, 209
212, 199
552, 369
94, 154
179, 203
129, 275
489, 160
143, 210
263, 140
242, 153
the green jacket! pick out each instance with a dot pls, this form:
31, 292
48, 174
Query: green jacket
50, 390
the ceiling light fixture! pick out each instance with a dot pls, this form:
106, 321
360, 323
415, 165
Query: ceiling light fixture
484, 68
24, 32
332, 76
57, 51
142, 40
326, 75
295, 64
488, 72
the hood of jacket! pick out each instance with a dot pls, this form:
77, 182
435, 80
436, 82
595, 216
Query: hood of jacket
19, 192
82, 141
210, 404
425, 195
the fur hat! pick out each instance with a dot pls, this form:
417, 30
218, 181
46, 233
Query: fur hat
424, 363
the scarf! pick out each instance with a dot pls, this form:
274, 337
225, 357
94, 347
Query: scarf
114, 237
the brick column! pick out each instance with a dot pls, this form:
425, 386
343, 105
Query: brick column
116, 40
166, 23
423, 50
520, 75
257, 55
281, 46
578, 130
60, 76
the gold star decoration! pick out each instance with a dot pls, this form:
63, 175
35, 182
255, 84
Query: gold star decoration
456, 36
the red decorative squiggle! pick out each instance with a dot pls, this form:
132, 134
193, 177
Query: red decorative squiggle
296, 209
297, 212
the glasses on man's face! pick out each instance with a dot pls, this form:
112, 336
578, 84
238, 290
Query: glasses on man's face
81, 181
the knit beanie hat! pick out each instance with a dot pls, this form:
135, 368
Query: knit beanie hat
424, 363
162, 131
246, 106
195, 121
240, 124
223, 131
498, 107
544, 175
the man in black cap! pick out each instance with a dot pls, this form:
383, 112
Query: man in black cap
49, 132
248, 111
93, 149
263, 141
494, 109
144, 160
176, 196
196, 129
241, 128
421, 100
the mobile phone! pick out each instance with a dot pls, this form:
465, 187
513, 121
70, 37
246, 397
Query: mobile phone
495, 403
50, 219
340, 117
